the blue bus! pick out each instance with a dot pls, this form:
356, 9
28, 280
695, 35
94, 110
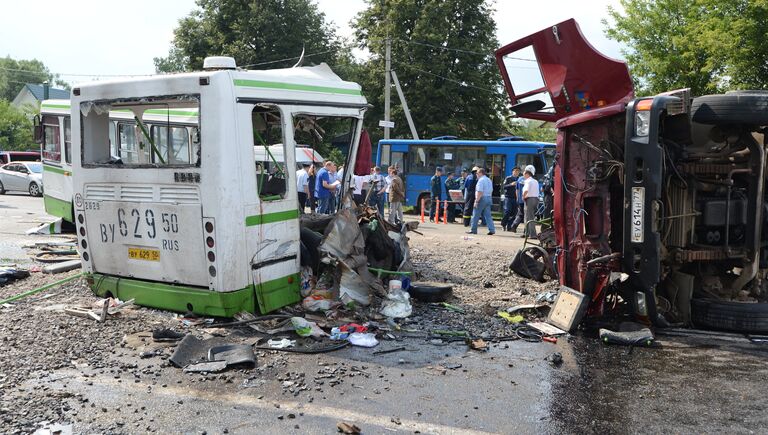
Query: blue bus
417, 159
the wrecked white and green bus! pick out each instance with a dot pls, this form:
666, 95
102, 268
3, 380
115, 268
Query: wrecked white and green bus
204, 233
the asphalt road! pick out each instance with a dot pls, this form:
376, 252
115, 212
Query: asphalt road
692, 382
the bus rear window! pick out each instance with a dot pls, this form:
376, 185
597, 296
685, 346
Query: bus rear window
155, 132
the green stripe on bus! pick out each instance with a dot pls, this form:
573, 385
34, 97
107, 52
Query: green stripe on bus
55, 106
56, 170
294, 87
58, 207
269, 218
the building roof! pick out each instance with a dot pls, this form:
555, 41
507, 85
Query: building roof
53, 93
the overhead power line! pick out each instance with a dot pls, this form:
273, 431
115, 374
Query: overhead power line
445, 78
458, 50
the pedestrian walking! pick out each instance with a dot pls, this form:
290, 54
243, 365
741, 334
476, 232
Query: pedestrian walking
510, 199
483, 203
470, 183
396, 198
451, 183
325, 188
435, 192
302, 186
531, 197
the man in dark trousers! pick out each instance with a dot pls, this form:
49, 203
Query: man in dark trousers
451, 183
520, 204
470, 183
510, 199
435, 192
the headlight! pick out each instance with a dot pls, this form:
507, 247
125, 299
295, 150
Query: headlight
642, 122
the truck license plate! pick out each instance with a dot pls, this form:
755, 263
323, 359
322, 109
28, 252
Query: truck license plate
638, 212
143, 254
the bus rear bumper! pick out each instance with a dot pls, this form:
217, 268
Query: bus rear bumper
173, 297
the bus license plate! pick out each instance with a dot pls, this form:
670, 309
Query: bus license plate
638, 213
143, 254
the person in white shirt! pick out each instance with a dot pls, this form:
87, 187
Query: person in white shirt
379, 186
531, 198
302, 186
359, 181
483, 203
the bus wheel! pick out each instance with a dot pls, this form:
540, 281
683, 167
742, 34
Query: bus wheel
427, 203
2, 188
34, 189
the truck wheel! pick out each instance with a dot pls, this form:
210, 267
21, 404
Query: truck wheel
737, 107
425, 292
730, 316
2, 188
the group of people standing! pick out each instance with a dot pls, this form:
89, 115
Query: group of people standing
521, 200
520, 204
320, 189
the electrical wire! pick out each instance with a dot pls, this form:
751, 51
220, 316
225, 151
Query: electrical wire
287, 59
445, 78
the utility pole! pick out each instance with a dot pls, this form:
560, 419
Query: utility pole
405, 106
387, 85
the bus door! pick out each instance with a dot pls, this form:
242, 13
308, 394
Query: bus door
496, 165
271, 212
531, 156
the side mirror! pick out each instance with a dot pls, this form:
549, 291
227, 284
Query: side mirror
528, 107
37, 131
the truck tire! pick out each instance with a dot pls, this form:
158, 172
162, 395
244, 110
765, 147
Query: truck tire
425, 292
730, 316
736, 107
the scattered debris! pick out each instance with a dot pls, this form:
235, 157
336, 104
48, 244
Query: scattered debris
556, 359
363, 339
546, 328
478, 344
167, 335
347, 428
10, 274
281, 344
64, 266
510, 318
638, 337
568, 309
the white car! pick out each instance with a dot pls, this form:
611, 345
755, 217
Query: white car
22, 176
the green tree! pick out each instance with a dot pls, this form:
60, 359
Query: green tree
536, 131
15, 128
442, 51
258, 33
15, 73
706, 45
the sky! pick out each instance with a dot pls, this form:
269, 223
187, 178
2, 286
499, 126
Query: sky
80, 38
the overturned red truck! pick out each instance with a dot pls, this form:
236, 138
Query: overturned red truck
660, 202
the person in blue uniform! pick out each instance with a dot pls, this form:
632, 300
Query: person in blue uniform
435, 192
470, 183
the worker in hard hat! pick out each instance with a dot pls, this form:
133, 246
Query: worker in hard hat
531, 198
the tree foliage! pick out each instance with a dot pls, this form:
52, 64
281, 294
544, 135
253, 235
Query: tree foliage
707, 45
442, 51
536, 131
15, 73
15, 128
253, 32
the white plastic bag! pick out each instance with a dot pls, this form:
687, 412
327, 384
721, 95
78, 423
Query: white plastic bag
397, 304
363, 339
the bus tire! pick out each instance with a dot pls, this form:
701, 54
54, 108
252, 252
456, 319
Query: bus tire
427, 200
35, 190
2, 188
740, 107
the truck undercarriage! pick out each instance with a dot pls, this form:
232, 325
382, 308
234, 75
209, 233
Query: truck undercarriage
660, 201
